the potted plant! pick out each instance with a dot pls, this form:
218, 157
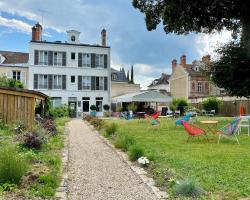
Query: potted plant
106, 109
132, 107
93, 110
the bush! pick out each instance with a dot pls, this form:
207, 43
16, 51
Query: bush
97, 123
88, 118
187, 188
212, 103
111, 129
93, 107
61, 111
12, 166
124, 142
49, 125
132, 106
135, 152
9, 82
179, 104
35, 138
106, 107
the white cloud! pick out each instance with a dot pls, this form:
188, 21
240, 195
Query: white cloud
15, 24
207, 43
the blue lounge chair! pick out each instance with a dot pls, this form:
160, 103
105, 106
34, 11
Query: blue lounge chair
185, 118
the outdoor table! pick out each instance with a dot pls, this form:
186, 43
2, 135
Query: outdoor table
140, 115
211, 126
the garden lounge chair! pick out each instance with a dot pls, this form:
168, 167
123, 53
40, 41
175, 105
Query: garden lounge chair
193, 130
211, 113
185, 118
230, 130
153, 119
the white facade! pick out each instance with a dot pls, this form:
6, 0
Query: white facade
71, 91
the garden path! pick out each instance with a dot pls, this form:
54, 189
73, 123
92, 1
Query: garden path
97, 172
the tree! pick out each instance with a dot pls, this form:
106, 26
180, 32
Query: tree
128, 76
206, 16
132, 74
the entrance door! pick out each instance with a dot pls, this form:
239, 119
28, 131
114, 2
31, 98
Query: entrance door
85, 106
99, 106
72, 107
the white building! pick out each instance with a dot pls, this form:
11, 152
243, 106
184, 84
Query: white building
161, 84
70, 73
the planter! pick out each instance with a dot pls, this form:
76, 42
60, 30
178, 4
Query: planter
93, 113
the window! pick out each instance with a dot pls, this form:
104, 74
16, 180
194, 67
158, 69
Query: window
58, 57
73, 56
99, 83
72, 79
43, 58
99, 61
16, 75
86, 82
199, 87
43, 81
114, 76
57, 81
56, 101
86, 60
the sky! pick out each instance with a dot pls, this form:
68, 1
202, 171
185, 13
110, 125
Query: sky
150, 53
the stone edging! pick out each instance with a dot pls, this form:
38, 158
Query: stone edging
149, 182
62, 191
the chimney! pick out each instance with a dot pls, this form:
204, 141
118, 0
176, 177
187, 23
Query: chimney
174, 64
103, 37
37, 32
183, 61
206, 59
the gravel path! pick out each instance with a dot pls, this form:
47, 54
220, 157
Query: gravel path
97, 172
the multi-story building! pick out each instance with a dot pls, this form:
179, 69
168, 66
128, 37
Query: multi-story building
14, 65
70, 72
189, 81
161, 84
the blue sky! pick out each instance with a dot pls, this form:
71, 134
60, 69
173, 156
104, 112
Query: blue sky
150, 52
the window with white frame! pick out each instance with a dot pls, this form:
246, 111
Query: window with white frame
199, 87
99, 61
86, 60
86, 82
58, 57
43, 81
99, 83
43, 58
57, 81
56, 101
16, 75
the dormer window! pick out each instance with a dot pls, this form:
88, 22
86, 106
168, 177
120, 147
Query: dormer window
73, 38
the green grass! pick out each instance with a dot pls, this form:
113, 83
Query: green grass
220, 169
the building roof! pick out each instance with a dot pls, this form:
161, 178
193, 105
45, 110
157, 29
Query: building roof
164, 79
14, 58
120, 75
144, 96
69, 44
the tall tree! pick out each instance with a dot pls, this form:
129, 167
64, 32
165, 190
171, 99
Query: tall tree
128, 76
206, 16
132, 74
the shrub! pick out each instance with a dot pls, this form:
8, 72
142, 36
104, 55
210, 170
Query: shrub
211, 103
88, 118
124, 142
9, 82
61, 111
132, 106
93, 107
135, 152
49, 125
111, 129
106, 107
187, 188
179, 104
12, 166
97, 123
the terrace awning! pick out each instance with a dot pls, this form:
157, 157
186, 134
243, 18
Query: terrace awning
151, 96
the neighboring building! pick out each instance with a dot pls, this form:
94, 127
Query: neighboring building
188, 80
120, 85
161, 83
70, 72
14, 65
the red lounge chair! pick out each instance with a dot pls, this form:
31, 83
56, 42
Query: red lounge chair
192, 130
153, 119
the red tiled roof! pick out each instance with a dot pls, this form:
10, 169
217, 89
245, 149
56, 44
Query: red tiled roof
14, 57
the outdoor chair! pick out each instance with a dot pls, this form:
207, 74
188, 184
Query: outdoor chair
203, 112
185, 118
230, 130
245, 123
124, 115
211, 113
177, 113
193, 131
153, 119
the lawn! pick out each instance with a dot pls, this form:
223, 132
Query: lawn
222, 169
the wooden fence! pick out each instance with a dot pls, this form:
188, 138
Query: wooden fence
230, 108
18, 105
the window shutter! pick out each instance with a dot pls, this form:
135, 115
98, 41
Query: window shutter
36, 57
105, 61
105, 83
50, 62
92, 60
35, 81
64, 59
50, 81
23, 78
79, 82
79, 60
92, 82
64, 82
